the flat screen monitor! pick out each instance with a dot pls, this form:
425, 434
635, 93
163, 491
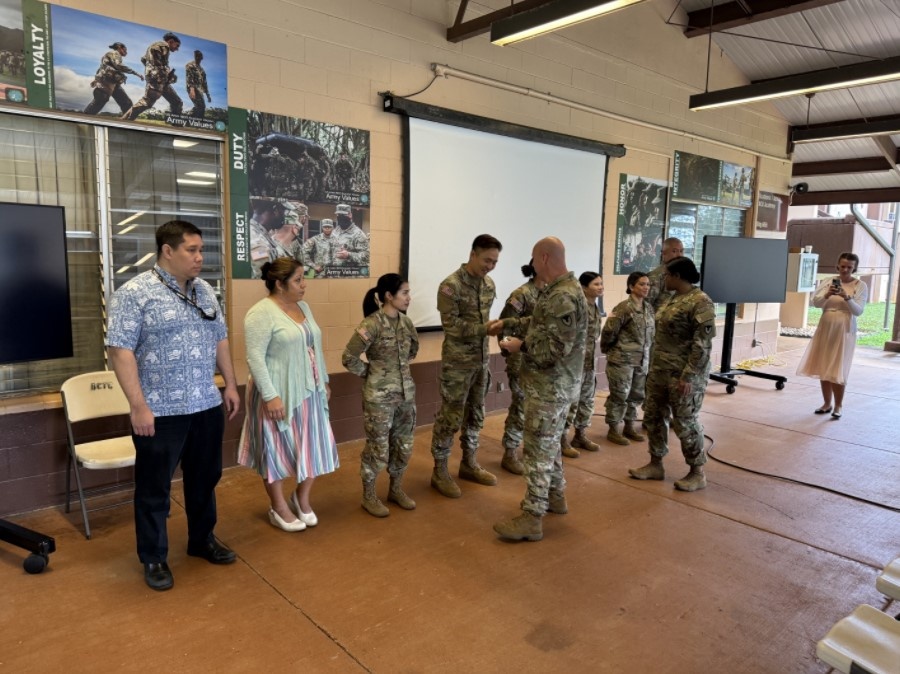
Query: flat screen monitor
35, 313
738, 270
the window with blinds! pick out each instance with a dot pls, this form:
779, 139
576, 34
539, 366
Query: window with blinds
117, 186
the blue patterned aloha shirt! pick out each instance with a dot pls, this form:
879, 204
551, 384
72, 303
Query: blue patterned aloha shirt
175, 347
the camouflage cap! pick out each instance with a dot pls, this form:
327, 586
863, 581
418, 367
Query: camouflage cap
343, 209
301, 209
327, 222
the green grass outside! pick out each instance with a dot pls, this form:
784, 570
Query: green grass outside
870, 326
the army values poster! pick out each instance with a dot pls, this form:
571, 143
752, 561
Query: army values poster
299, 188
86, 63
12, 52
640, 223
712, 181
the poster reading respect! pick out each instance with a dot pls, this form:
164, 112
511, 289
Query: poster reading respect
299, 188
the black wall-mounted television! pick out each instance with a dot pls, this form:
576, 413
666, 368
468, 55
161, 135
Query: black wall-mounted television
738, 270
35, 312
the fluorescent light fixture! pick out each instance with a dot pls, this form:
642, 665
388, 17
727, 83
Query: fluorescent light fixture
552, 16
180, 142
856, 75
130, 218
188, 181
122, 270
202, 174
126, 230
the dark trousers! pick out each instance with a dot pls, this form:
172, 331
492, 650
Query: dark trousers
194, 440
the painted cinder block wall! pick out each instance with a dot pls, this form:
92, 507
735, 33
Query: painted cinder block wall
329, 59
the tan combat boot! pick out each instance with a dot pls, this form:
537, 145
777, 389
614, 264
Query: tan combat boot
511, 463
398, 496
567, 449
525, 527
615, 437
652, 471
441, 480
693, 481
471, 471
633, 434
371, 503
582, 442
558, 504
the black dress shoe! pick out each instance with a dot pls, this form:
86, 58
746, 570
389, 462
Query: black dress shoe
158, 576
213, 552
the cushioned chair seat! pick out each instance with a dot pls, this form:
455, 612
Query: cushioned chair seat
867, 637
105, 454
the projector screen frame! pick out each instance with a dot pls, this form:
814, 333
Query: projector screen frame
437, 114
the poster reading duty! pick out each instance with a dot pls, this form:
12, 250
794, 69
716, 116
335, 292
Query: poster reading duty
300, 189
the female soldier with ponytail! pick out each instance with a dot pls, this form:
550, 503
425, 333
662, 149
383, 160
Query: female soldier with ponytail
389, 340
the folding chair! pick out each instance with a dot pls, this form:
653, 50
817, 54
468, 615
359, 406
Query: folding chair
91, 396
888, 582
867, 641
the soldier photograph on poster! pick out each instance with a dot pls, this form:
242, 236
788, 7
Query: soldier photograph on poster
308, 195
118, 69
12, 52
640, 222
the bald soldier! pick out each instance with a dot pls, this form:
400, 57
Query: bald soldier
464, 301
671, 248
552, 367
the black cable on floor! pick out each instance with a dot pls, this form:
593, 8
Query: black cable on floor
792, 480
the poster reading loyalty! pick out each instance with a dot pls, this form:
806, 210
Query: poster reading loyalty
299, 188
86, 63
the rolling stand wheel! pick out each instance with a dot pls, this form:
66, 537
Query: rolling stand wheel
779, 385
729, 389
35, 563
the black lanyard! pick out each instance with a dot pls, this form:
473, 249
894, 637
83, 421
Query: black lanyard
192, 300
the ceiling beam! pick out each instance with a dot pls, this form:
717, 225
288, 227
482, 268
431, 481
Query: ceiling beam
851, 128
876, 196
734, 14
463, 30
888, 151
834, 167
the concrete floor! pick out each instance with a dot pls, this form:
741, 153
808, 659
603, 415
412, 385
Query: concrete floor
744, 576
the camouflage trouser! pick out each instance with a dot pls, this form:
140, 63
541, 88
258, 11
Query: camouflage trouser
462, 408
582, 410
389, 438
544, 423
156, 86
515, 417
626, 391
102, 92
664, 400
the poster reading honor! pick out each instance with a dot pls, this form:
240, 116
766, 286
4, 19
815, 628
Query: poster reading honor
299, 188
640, 221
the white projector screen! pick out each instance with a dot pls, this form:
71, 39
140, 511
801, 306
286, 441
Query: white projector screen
463, 183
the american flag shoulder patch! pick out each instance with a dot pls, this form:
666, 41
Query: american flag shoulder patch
362, 332
517, 305
447, 290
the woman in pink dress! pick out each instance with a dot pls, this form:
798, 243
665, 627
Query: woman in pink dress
830, 353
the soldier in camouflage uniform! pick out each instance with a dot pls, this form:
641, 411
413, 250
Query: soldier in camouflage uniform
389, 340
583, 409
343, 172
464, 301
158, 78
267, 217
672, 248
351, 243
108, 81
679, 369
319, 250
197, 88
553, 365
626, 340
520, 304
288, 237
